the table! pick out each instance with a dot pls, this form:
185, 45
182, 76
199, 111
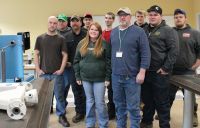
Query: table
36, 116
191, 85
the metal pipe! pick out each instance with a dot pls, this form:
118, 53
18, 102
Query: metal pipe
188, 109
3, 65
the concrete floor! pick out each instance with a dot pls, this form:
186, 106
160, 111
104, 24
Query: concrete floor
176, 117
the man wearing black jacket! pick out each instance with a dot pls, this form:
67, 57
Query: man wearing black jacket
140, 16
73, 38
189, 56
163, 42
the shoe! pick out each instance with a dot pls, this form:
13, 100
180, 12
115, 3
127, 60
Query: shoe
143, 125
63, 120
78, 117
195, 120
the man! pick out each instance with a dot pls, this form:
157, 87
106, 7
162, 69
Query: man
189, 56
62, 28
140, 16
109, 19
130, 59
163, 42
73, 38
87, 20
50, 65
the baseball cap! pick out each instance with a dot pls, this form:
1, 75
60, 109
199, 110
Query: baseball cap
73, 17
179, 11
155, 8
124, 9
88, 15
62, 17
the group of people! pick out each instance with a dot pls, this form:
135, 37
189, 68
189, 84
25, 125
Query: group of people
134, 61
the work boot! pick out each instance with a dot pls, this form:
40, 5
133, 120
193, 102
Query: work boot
78, 117
195, 120
63, 120
143, 125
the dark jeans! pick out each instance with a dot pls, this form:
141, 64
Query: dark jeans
78, 91
155, 95
174, 89
110, 104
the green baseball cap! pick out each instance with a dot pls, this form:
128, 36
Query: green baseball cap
62, 17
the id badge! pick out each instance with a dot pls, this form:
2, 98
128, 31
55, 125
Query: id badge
119, 54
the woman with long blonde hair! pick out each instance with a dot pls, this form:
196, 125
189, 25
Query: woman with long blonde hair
92, 69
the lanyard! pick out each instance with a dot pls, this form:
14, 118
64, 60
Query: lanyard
121, 39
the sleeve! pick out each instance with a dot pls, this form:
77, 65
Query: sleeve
108, 61
37, 44
172, 45
144, 51
197, 44
77, 59
63, 45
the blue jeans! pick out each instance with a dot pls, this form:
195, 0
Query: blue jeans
126, 96
78, 91
59, 91
66, 85
95, 92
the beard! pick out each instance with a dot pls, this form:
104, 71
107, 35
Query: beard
180, 25
124, 23
75, 27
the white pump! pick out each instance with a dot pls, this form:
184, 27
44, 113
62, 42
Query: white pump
13, 97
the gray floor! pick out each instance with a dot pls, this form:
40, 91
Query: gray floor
176, 114
176, 117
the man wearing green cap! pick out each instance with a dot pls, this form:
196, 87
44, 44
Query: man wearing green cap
63, 29
62, 25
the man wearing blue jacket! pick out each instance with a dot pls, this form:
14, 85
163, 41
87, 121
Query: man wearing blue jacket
130, 59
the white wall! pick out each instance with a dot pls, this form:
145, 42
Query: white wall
100, 20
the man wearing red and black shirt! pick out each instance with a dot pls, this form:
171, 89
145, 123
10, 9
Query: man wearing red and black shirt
109, 19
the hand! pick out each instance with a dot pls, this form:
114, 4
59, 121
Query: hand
58, 72
107, 83
69, 64
79, 82
140, 77
194, 67
161, 71
40, 72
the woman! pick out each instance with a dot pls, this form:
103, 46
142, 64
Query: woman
92, 69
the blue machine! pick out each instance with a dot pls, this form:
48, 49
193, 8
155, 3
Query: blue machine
12, 46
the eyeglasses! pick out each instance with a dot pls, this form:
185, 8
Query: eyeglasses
123, 14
